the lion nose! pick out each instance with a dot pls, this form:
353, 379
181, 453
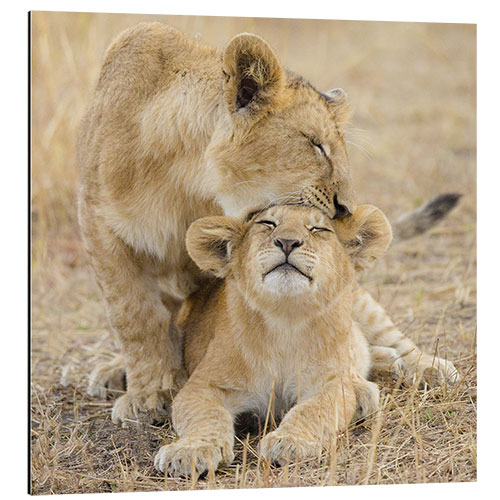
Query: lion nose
341, 210
287, 245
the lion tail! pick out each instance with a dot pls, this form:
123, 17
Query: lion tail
423, 218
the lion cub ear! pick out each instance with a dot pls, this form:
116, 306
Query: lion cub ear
209, 242
339, 104
254, 76
366, 235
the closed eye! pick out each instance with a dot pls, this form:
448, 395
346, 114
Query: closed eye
317, 229
316, 143
319, 146
268, 223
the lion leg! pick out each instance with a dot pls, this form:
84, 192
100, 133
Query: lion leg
151, 352
206, 432
311, 427
380, 331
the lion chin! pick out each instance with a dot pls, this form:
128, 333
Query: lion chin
287, 280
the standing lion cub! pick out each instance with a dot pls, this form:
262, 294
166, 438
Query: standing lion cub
177, 130
278, 325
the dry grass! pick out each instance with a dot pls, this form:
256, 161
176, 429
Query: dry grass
412, 136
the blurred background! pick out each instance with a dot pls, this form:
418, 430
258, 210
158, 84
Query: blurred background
412, 135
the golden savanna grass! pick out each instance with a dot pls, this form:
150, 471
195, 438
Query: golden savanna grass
412, 136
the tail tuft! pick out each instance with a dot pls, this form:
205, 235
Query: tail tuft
423, 218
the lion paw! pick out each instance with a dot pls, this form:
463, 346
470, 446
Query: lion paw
386, 359
279, 447
186, 458
108, 378
435, 371
367, 398
147, 407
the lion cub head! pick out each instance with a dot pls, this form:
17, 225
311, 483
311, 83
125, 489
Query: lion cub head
282, 139
290, 254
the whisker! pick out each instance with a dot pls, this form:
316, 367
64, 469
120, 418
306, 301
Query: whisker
293, 196
360, 148
240, 184
331, 268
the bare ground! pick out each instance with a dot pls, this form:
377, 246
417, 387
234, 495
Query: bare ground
412, 136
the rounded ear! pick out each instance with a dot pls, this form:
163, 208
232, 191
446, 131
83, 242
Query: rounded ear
339, 103
209, 242
366, 235
254, 76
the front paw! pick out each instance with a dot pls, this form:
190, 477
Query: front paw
149, 396
146, 406
187, 457
367, 398
108, 378
280, 447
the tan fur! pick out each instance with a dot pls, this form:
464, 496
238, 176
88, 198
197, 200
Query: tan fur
169, 137
269, 331
391, 349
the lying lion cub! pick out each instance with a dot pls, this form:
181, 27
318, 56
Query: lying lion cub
279, 325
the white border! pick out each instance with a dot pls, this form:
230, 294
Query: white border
383, 10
